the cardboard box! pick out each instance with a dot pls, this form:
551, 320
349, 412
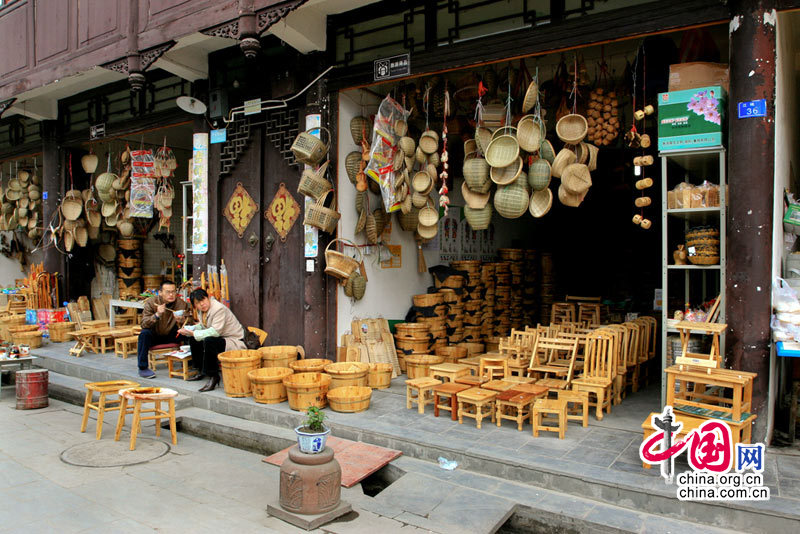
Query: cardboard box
694, 118
683, 76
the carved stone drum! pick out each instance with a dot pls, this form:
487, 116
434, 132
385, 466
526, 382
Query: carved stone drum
310, 483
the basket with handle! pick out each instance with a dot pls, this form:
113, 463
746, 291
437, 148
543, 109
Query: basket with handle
313, 183
319, 216
308, 148
339, 264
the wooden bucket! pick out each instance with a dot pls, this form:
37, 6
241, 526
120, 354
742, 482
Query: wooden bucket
305, 390
311, 365
280, 355
8, 322
349, 399
32, 339
345, 374
452, 354
419, 365
401, 361
380, 375
59, 331
268, 385
235, 365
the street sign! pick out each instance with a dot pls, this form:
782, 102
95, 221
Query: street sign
392, 67
251, 107
219, 136
754, 108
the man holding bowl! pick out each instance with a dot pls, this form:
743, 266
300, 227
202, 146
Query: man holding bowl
162, 316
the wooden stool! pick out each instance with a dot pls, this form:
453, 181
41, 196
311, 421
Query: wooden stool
514, 406
520, 379
471, 381
158, 354
475, 399
498, 385
580, 402
138, 396
472, 362
449, 372
447, 391
549, 407
125, 345
103, 405
423, 387
539, 391
104, 339
493, 368
84, 340
183, 371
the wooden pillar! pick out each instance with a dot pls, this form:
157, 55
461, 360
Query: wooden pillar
51, 184
751, 154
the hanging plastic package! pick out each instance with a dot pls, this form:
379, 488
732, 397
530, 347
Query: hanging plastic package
143, 184
383, 149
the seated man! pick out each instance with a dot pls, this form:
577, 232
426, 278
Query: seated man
160, 323
218, 331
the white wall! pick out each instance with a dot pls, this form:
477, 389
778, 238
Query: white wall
9, 269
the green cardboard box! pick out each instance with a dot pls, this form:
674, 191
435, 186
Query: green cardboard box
694, 118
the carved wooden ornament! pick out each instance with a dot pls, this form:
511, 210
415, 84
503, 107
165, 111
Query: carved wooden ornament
283, 211
240, 209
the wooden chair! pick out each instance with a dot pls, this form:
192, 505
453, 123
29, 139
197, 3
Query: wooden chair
620, 334
262, 335
598, 375
589, 312
492, 368
548, 350
103, 405
632, 357
562, 312
138, 399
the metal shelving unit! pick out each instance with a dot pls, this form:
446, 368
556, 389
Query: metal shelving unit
698, 165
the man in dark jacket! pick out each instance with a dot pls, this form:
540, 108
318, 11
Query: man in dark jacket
161, 318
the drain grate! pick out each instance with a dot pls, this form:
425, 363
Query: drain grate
110, 453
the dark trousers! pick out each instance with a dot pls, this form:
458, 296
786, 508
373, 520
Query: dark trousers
148, 338
204, 354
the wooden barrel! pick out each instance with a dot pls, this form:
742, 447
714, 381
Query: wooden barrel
349, 399
235, 365
345, 374
268, 385
380, 375
452, 354
280, 355
401, 361
311, 365
32, 339
59, 331
32, 389
419, 365
8, 322
306, 390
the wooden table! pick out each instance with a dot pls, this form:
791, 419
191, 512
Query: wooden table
449, 371
139, 305
740, 382
711, 360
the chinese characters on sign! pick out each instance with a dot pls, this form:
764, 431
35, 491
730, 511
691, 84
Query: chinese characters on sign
199, 178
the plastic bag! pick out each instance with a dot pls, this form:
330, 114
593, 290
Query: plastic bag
784, 297
444, 463
383, 149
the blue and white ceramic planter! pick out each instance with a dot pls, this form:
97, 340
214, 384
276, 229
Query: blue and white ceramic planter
311, 442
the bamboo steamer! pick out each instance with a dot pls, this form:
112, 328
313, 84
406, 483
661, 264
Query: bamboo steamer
380, 375
452, 354
32, 339
8, 322
152, 281
305, 390
345, 374
235, 365
411, 330
268, 385
59, 331
419, 365
349, 399
280, 355
427, 299
412, 345
311, 365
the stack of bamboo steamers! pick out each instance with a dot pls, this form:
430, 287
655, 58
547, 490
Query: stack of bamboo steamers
129, 267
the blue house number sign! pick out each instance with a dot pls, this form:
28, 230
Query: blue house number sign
754, 108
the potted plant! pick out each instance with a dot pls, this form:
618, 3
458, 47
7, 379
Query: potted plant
311, 435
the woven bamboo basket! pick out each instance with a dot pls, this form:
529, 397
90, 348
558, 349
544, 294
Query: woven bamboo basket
337, 263
474, 199
478, 219
539, 173
419, 365
14, 330
352, 164
359, 127
305, 390
313, 183
9, 322
572, 128
409, 221
349, 399
576, 179
322, 217
235, 365
531, 96
32, 339
268, 385
347, 374
476, 175
569, 199
59, 331
380, 375
452, 353
503, 149
427, 300
429, 142
529, 134
310, 365
280, 355
511, 201
507, 175
308, 148
547, 152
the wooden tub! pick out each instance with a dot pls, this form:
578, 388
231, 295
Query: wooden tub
267, 384
235, 365
305, 390
280, 355
347, 374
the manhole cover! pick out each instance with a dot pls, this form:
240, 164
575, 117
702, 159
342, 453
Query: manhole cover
110, 453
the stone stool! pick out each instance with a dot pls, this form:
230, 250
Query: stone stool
447, 391
139, 396
449, 372
103, 405
423, 387
179, 367
579, 411
549, 407
514, 406
126, 345
475, 399
158, 354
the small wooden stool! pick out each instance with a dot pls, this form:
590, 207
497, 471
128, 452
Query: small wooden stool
158, 354
125, 345
539, 391
498, 385
471, 381
473, 362
449, 372
423, 386
520, 379
549, 407
514, 406
183, 370
447, 391
471, 403
493, 367
580, 401
138, 396
103, 405
84, 340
